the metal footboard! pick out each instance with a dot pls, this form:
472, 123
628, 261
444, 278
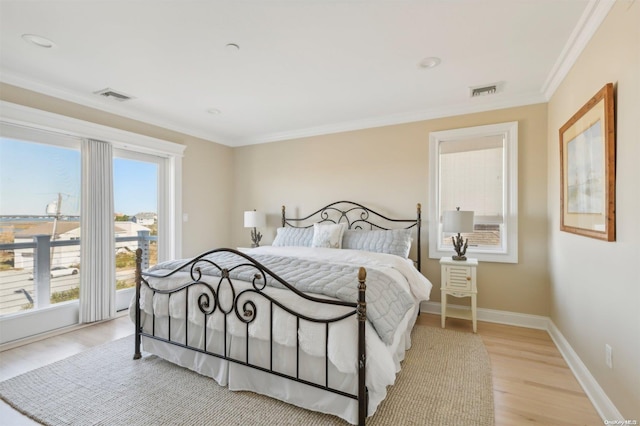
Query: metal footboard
244, 308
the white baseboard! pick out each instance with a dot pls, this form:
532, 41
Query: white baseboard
596, 394
603, 405
492, 315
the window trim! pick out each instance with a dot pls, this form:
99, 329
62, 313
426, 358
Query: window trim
509, 131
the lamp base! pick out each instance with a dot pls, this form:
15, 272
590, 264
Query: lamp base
255, 238
460, 246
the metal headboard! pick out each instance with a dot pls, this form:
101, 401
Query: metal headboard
356, 216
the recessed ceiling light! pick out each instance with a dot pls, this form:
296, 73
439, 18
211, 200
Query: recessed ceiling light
214, 111
430, 62
38, 40
232, 47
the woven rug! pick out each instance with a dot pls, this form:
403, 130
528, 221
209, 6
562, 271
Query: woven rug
445, 380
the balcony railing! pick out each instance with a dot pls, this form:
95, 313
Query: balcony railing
39, 261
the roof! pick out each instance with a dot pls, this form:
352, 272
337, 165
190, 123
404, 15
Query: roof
46, 228
61, 228
145, 215
130, 227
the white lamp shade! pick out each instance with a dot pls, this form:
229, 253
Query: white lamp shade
456, 221
254, 219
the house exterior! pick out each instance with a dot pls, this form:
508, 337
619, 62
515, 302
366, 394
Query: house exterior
145, 218
60, 256
128, 229
66, 231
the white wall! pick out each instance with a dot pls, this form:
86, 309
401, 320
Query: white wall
595, 285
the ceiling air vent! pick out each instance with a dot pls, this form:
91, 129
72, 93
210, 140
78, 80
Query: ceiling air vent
112, 94
484, 90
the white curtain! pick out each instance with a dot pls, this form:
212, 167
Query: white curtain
97, 248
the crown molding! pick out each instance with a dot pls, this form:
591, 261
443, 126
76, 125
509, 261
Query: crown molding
587, 25
105, 106
468, 108
22, 115
390, 120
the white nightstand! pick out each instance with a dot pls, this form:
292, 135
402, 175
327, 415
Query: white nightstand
458, 280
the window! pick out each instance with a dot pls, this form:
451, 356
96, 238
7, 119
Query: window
135, 191
144, 189
40, 196
476, 169
61, 136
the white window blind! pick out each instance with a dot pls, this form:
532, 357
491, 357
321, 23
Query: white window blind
471, 173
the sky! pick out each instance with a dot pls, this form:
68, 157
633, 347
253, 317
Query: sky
32, 175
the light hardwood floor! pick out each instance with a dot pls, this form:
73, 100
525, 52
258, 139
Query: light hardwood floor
531, 382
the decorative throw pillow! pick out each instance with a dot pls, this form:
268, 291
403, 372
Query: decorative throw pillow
329, 236
287, 237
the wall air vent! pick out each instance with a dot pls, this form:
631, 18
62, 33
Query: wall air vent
112, 94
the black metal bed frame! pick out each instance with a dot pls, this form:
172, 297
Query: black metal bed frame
246, 310
356, 216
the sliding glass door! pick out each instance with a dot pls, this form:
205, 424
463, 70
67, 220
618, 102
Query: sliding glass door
40, 215
40, 187
138, 216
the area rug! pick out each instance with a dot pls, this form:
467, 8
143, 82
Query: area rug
445, 379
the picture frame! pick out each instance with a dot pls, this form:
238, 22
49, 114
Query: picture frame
587, 169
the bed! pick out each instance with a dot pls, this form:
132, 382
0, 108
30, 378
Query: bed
320, 319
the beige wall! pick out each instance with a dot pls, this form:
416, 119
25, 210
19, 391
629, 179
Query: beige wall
206, 189
386, 168
595, 285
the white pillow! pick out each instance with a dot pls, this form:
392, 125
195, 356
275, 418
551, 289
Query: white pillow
329, 236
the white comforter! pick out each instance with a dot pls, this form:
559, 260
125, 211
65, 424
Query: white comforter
418, 285
311, 335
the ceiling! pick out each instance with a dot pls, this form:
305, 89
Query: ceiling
301, 68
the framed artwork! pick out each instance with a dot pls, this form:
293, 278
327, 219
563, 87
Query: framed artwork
587, 169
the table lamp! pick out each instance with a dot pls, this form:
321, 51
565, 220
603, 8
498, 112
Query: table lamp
456, 221
254, 219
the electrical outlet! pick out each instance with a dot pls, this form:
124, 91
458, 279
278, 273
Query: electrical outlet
608, 355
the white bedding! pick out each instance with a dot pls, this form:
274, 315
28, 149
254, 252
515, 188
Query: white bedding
383, 361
